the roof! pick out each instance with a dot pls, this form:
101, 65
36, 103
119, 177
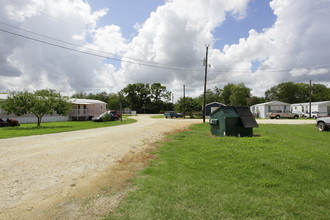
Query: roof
72, 100
313, 103
273, 103
215, 103
3, 96
85, 101
247, 117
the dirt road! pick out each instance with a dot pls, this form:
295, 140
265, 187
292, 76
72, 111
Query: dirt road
80, 174
75, 175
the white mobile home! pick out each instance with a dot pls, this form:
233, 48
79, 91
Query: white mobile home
83, 109
263, 109
303, 108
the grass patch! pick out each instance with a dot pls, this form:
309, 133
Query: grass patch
281, 174
158, 116
56, 127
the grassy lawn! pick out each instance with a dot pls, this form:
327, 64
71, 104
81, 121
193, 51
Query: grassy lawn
283, 173
56, 127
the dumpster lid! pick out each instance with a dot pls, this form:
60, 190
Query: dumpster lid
247, 117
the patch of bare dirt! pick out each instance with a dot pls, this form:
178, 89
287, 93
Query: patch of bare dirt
76, 175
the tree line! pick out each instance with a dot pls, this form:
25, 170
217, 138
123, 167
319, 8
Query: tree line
155, 98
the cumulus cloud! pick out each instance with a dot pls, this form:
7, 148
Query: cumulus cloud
31, 64
294, 48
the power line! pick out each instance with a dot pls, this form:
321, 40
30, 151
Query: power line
271, 70
101, 56
76, 45
135, 60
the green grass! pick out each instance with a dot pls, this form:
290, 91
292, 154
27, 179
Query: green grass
283, 173
56, 127
158, 116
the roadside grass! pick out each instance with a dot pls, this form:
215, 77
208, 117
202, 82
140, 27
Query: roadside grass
57, 127
281, 173
158, 116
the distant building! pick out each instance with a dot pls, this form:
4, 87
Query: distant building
83, 109
263, 109
303, 108
209, 108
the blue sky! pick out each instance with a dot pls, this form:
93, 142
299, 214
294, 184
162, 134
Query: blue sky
127, 13
260, 43
259, 16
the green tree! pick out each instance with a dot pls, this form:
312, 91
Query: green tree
240, 95
226, 93
291, 92
188, 105
320, 93
255, 100
39, 103
145, 98
114, 101
211, 96
233, 94
79, 95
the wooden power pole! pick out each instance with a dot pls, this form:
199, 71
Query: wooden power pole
184, 101
204, 110
310, 98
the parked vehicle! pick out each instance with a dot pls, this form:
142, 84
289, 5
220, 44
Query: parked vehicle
10, 122
323, 123
172, 114
101, 117
314, 114
114, 112
282, 114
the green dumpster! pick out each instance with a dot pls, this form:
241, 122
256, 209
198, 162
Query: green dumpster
232, 121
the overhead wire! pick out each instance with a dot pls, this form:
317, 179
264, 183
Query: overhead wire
101, 56
77, 45
129, 59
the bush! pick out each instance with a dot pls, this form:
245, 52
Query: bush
106, 117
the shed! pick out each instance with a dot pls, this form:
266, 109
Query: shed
209, 108
232, 121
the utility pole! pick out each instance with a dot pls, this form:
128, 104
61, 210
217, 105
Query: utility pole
121, 112
204, 110
184, 101
310, 98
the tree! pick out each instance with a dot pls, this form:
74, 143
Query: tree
226, 93
240, 95
79, 95
159, 92
188, 105
114, 101
320, 93
211, 96
235, 94
255, 100
39, 103
291, 92
145, 98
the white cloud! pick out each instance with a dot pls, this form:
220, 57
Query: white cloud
31, 65
293, 49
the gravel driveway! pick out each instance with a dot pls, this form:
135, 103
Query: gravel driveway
37, 172
40, 175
